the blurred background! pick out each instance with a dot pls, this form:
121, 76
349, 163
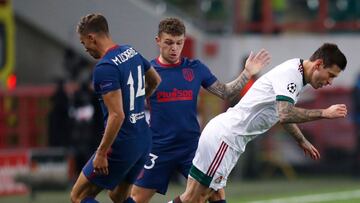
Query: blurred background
50, 122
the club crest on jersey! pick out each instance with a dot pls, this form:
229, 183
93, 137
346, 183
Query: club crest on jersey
219, 179
188, 74
291, 87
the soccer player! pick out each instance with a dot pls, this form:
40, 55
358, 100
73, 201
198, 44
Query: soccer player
122, 78
173, 108
270, 100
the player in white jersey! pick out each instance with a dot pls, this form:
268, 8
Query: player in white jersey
271, 99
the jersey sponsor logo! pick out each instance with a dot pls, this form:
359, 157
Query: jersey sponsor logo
175, 95
134, 117
188, 74
291, 87
124, 56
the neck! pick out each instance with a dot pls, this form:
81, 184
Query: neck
105, 45
307, 70
163, 61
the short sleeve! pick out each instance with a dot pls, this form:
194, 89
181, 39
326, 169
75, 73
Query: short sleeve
287, 85
145, 63
207, 77
106, 78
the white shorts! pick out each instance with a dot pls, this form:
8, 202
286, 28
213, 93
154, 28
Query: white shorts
214, 159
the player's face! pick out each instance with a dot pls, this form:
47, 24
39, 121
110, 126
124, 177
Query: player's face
170, 47
89, 43
324, 76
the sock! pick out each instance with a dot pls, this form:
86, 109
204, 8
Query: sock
89, 200
176, 200
129, 200
219, 201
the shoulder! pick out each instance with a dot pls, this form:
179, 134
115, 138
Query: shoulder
288, 67
193, 63
105, 66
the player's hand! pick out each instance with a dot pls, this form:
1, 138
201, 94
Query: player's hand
255, 63
309, 149
335, 111
100, 164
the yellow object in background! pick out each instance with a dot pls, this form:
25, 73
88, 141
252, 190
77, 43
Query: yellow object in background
7, 38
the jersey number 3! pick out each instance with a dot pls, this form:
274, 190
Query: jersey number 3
140, 87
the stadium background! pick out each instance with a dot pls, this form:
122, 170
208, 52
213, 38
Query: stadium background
39, 50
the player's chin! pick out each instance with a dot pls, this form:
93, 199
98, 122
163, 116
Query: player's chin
319, 86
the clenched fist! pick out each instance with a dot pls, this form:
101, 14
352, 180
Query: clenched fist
335, 111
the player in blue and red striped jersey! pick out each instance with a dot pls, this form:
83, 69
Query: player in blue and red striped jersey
119, 80
173, 110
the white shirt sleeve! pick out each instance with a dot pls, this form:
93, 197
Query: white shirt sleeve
287, 83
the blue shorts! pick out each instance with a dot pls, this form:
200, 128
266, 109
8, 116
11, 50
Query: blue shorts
161, 165
125, 162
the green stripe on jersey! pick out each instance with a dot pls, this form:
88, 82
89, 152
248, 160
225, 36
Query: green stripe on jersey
200, 176
284, 98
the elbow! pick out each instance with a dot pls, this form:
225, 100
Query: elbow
117, 116
157, 82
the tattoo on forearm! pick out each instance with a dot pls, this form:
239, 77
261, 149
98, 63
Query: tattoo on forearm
294, 131
230, 90
290, 114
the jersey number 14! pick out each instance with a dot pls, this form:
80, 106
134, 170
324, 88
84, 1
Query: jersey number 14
140, 87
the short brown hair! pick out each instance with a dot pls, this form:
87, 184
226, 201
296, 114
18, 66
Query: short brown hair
330, 54
93, 23
172, 26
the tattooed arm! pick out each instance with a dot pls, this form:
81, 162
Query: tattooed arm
288, 113
308, 148
230, 90
253, 65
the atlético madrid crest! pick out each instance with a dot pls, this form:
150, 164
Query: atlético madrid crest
188, 74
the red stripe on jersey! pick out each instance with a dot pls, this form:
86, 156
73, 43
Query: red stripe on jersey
217, 156
217, 164
168, 99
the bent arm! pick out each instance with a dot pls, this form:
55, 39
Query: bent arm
294, 131
113, 102
230, 90
288, 113
152, 81
307, 147
253, 65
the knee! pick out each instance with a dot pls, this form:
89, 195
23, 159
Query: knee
74, 197
116, 198
140, 195
138, 198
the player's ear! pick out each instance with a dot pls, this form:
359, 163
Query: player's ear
318, 63
91, 37
157, 39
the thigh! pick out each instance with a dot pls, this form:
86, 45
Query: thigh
213, 160
185, 160
157, 171
121, 162
137, 167
84, 188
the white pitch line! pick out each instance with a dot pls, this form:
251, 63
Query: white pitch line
315, 198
